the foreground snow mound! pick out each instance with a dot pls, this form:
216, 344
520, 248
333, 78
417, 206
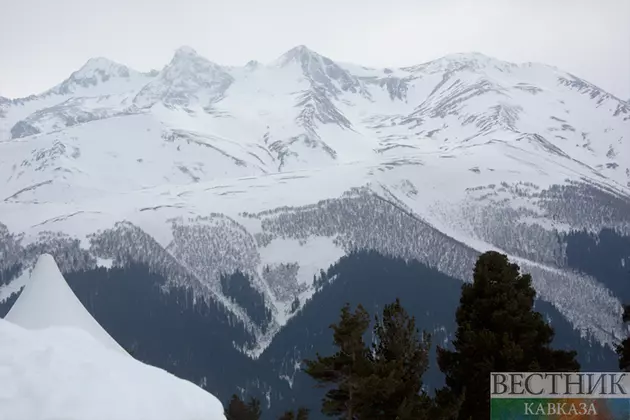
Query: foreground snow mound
47, 300
65, 373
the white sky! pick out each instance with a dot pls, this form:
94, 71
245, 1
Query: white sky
43, 41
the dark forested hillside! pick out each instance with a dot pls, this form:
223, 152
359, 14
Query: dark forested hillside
375, 280
6, 275
605, 256
8, 303
238, 287
194, 339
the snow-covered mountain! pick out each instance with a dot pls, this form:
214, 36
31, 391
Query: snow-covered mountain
277, 170
57, 362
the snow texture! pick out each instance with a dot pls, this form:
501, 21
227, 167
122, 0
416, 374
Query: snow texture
64, 373
276, 170
47, 301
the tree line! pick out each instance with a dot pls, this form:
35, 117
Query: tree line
498, 330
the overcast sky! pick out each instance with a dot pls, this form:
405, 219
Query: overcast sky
43, 41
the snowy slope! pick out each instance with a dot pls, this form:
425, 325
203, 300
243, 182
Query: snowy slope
100, 89
47, 301
63, 373
277, 170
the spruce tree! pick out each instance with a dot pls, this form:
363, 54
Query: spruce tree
253, 408
302, 414
400, 359
623, 349
346, 369
288, 415
379, 383
497, 331
238, 410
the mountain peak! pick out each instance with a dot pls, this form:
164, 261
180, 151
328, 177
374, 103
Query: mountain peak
103, 66
460, 61
188, 56
300, 54
322, 72
187, 78
301, 49
252, 65
100, 62
473, 58
185, 51
95, 71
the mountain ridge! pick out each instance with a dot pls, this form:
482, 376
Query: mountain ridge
472, 56
276, 171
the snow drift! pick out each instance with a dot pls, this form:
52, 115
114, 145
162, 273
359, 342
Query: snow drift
70, 368
64, 373
47, 301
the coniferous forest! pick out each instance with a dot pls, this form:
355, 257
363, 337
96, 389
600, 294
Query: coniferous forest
498, 329
382, 337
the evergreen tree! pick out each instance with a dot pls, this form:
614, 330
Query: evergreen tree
446, 404
623, 349
400, 359
288, 415
253, 407
346, 369
295, 305
498, 331
238, 410
379, 383
302, 414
